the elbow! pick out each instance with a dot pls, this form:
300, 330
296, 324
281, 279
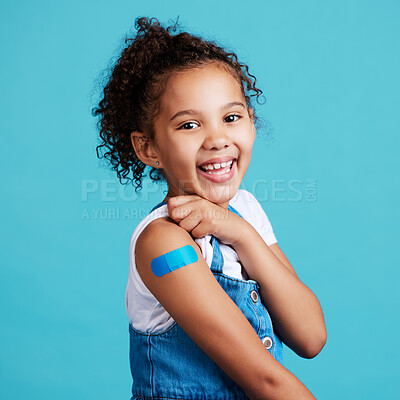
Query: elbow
264, 389
314, 347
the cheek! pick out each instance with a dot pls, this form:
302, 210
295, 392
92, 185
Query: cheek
247, 141
181, 155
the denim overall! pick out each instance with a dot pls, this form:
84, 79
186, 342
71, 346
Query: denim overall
169, 365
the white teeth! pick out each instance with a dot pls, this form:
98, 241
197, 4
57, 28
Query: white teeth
221, 172
217, 166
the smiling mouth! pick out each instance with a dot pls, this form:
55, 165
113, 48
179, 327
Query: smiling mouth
218, 168
219, 174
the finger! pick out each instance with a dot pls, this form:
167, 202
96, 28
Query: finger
201, 230
178, 200
191, 221
179, 213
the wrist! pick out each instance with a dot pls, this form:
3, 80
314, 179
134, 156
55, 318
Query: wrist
241, 232
245, 235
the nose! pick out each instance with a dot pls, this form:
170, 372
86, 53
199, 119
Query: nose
216, 139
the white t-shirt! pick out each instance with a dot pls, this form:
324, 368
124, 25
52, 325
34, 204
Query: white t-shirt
145, 312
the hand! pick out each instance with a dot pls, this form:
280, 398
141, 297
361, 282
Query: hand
200, 217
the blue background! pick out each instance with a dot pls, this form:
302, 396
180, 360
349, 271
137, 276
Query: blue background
330, 75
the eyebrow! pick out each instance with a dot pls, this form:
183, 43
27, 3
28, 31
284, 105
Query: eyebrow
223, 108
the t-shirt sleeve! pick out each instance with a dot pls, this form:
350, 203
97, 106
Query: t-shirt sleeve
261, 222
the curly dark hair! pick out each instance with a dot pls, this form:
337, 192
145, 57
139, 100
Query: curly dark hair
131, 97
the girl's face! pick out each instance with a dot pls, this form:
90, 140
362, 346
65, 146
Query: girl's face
203, 134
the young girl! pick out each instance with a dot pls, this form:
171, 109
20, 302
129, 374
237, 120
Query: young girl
210, 295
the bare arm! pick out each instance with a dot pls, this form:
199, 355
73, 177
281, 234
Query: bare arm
295, 310
210, 315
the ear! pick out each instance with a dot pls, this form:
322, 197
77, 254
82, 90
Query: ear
144, 149
251, 114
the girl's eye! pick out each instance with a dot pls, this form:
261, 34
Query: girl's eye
232, 118
188, 125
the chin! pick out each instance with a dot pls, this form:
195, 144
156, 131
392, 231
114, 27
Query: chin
221, 195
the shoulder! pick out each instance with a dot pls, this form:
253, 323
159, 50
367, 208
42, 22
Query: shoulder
159, 237
245, 199
250, 208
246, 203
161, 234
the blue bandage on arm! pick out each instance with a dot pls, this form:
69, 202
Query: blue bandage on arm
173, 260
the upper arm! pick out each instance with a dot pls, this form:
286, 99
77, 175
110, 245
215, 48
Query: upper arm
281, 256
207, 314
